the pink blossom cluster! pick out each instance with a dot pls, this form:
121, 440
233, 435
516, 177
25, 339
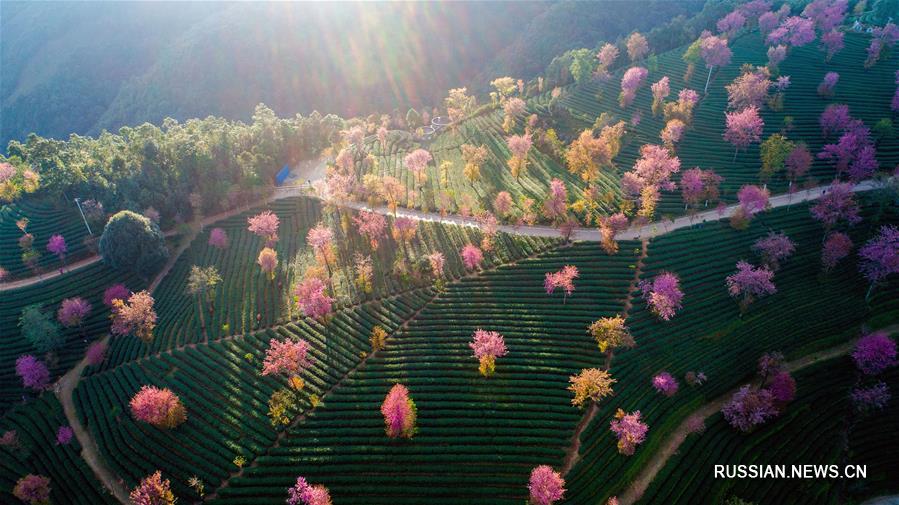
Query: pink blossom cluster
57, 245
153, 490
697, 184
33, 372
312, 299
665, 383
546, 486
828, 83
371, 225
563, 279
744, 127
826, 14
154, 405
631, 81
776, 55
795, 31
750, 282
663, 295
732, 22
218, 238
749, 408
64, 435
417, 160
774, 248
33, 489
399, 412
630, 430
73, 311
265, 224
837, 246
115, 292
319, 237
303, 493
96, 353
753, 199
437, 262
286, 357
874, 353
871, 398
488, 344
880, 255
837, 206
854, 151
556, 203
472, 257
714, 51
519, 145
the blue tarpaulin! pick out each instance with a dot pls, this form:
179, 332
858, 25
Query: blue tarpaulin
281, 175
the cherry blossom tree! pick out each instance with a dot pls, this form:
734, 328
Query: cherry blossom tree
502, 204
881, 37
637, 46
607, 55
555, 207
880, 256
715, 53
33, 372
153, 490
611, 333
663, 295
749, 408
417, 161
563, 279
115, 292
158, 406
545, 486
312, 299
73, 311
776, 55
64, 435
794, 31
698, 185
630, 430
827, 14
750, 283
287, 357
631, 81
673, 133
783, 389
519, 146
57, 245
731, 23
837, 206
611, 226
773, 249
749, 89
474, 157
218, 238
798, 162
753, 200
832, 43
665, 383
660, 90
874, 353
33, 489
320, 238
371, 225
265, 225
592, 384
436, 261
868, 399
137, 316
404, 230
834, 119
487, 346
399, 413
837, 246
853, 152
303, 493
472, 257
743, 128
513, 108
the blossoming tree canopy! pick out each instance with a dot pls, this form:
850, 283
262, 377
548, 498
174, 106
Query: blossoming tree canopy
563, 279
874, 353
545, 486
749, 283
33, 372
592, 384
218, 238
663, 295
665, 383
472, 257
630, 430
610, 333
115, 292
265, 225
73, 311
158, 406
399, 413
33, 489
136, 316
303, 493
487, 346
288, 357
153, 490
312, 299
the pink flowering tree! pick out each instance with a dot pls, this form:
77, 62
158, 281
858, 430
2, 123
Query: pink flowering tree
312, 299
798, 162
607, 55
519, 146
303, 493
832, 43
502, 204
399, 413
416, 162
96, 353
854, 151
555, 207
630, 430
743, 128
655, 166
137, 316
153, 490
751, 89
265, 225
837, 206
731, 23
372, 226
218, 238
665, 383
436, 261
287, 357
660, 90
545, 486
874, 353
73, 311
64, 435
57, 245
753, 199
33, 372
637, 46
487, 346
321, 238
115, 292
632, 80
773, 249
472, 257
837, 246
33, 489
894, 103
673, 132
776, 55
871, 398
834, 119
715, 53
880, 256
783, 389
158, 406
750, 283
794, 31
749, 408
563, 279
663, 295
828, 84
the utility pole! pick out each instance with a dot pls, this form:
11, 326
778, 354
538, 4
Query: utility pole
78, 203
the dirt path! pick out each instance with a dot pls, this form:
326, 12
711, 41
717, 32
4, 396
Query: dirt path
89, 450
573, 453
671, 444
